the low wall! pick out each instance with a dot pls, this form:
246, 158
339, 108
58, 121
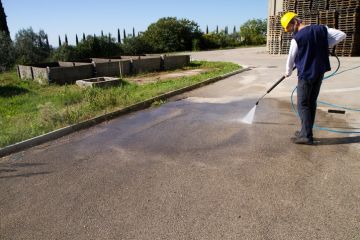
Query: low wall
107, 69
66, 64
125, 67
25, 72
150, 64
69, 75
40, 75
176, 61
69, 72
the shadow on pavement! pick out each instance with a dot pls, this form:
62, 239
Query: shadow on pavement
337, 141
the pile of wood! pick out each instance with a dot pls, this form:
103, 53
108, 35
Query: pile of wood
340, 14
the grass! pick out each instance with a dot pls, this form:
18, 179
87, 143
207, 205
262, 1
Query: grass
28, 109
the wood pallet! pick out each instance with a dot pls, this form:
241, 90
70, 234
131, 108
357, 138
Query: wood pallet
340, 14
328, 18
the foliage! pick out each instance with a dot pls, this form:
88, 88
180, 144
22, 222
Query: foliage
220, 40
170, 34
31, 47
136, 46
64, 53
3, 22
7, 56
253, 32
90, 47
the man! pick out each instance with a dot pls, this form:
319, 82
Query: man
309, 51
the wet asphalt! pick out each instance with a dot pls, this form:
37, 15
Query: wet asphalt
189, 169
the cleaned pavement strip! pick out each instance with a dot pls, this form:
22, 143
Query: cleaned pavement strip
190, 170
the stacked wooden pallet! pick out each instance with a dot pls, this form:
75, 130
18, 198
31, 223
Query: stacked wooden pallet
303, 7
349, 22
319, 5
341, 14
274, 38
328, 18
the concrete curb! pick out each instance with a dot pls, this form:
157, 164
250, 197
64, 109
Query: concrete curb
91, 122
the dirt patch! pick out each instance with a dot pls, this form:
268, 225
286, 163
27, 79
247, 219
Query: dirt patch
161, 76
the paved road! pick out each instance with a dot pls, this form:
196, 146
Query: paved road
190, 169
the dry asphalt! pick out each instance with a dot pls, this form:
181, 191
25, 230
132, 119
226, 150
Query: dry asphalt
190, 169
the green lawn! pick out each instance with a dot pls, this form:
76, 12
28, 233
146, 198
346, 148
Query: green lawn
28, 109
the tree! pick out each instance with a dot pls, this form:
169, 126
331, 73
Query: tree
207, 29
66, 40
170, 34
134, 32
124, 34
83, 37
253, 32
76, 40
47, 41
234, 30
59, 41
3, 22
31, 47
136, 46
226, 30
217, 29
7, 56
119, 37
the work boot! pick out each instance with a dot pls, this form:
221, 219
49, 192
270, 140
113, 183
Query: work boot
304, 140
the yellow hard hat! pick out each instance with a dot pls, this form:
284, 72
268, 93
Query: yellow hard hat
286, 19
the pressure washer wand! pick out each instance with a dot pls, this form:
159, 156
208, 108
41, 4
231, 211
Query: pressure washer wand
270, 89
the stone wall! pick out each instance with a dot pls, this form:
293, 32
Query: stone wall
68, 75
174, 62
150, 64
25, 72
41, 75
69, 72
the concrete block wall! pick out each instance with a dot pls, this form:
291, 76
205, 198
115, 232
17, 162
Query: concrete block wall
25, 72
125, 67
69, 72
174, 62
41, 75
68, 75
150, 64
66, 64
107, 69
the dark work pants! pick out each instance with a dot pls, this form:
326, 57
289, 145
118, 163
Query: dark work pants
307, 94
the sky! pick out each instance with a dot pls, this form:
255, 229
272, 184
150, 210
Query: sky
60, 17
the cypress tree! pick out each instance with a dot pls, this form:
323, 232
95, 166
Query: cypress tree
59, 41
119, 37
217, 29
133, 32
77, 40
3, 23
124, 34
226, 30
83, 36
207, 29
102, 33
234, 31
47, 41
40, 42
66, 40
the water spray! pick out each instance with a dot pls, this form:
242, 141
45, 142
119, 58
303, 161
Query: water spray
249, 118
